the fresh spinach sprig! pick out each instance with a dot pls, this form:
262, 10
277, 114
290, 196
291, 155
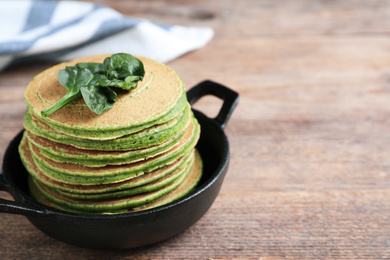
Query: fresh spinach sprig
94, 81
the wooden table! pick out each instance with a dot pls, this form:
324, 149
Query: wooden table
310, 140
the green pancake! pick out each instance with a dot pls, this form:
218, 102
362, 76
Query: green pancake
147, 137
136, 181
160, 183
133, 111
78, 174
95, 158
181, 185
183, 189
103, 206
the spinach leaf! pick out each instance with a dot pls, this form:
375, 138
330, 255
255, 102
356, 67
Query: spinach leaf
99, 99
94, 67
121, 66
127, 71
94, 82
72, 78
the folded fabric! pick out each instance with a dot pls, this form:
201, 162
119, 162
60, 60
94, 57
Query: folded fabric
65, 30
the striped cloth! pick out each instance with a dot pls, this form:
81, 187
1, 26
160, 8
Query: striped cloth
64, 30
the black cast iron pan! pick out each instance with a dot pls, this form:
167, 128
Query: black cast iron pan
136, 229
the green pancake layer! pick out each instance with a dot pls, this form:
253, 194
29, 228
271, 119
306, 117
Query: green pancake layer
79, 174
154, 101
110, 134
148, 137
185, 188
95, 158
139, 180
181, 186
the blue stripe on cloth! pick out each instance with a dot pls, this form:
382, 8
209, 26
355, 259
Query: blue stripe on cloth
40, 14
113, 26
163, 26
106, 29
14, 47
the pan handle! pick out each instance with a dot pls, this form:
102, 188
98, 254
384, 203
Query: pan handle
14, 207
229, 97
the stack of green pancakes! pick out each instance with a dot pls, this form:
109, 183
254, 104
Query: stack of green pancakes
137, 155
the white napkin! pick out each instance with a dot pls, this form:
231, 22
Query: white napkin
65, 30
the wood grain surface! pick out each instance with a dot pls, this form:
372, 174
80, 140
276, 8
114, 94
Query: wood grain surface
309, 176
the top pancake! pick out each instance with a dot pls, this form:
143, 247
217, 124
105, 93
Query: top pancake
155, 96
